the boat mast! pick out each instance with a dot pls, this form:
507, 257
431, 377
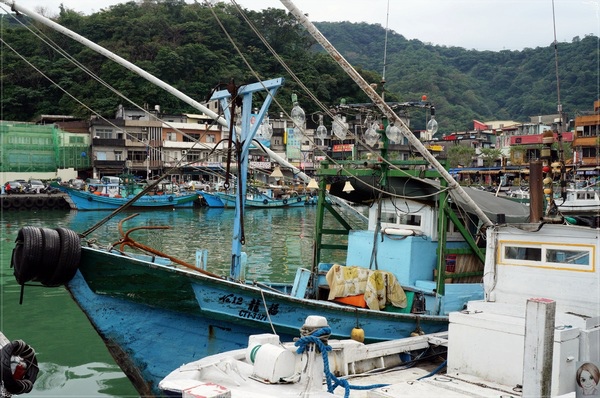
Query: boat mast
151, 78
386, 110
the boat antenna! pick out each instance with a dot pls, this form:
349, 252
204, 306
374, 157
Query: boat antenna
559, 107
560, 130
385, 42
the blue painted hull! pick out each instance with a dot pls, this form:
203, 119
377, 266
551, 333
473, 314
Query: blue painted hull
154, 316
83, 200
149, 342
229, 201
211, 200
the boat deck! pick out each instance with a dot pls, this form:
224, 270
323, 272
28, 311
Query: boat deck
414, 382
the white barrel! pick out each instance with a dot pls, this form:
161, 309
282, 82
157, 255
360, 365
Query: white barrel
257, 340
273, 362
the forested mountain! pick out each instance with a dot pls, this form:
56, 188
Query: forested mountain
185, 45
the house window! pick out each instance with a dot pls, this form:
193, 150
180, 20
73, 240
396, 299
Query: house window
210, 138
171, 136
118, 155
104, 133
589, 152
75, 140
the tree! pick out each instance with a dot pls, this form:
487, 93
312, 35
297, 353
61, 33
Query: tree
460, 155
490, 155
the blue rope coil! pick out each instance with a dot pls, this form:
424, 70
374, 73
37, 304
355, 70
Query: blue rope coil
332, 381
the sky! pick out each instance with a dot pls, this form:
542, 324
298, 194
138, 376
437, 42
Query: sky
493, 25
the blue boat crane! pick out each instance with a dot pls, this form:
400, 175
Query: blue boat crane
244, 138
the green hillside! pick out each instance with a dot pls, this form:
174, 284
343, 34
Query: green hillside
185, 45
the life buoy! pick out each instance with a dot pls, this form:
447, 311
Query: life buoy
265, 201
285, 201
27, 254
24, 384
68, 259
170, 198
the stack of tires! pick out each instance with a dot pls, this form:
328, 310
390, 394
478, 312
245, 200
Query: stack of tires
21, 379
46, 255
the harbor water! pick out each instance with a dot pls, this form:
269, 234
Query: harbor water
72, 358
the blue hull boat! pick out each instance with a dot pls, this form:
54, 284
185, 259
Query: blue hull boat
85, 200
263, 201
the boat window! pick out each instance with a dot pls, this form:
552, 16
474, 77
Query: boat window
523, 253
568, 256
391, 219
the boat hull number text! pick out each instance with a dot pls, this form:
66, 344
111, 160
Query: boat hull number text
254, 309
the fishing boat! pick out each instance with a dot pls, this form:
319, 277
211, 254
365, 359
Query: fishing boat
264, 200
580, 200
419, 258
100, 199
522, 339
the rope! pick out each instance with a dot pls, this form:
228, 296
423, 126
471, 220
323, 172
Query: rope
332, 381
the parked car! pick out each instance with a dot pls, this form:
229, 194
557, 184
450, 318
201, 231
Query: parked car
36, 186
198, 185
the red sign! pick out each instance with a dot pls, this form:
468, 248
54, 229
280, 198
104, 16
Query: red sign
343, 148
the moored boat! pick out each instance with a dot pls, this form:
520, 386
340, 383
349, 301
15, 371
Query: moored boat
522, 339
259, 200
86, 200
583, 200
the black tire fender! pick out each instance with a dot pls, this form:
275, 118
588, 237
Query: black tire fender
265, 201
18, 348
51, 249
170, 198
40, 203
68, 260
285, 201
299, 199
28, 203
27, 254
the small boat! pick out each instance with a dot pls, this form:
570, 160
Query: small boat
19, 367
579, 200
114, 196
263, 200
522, 339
